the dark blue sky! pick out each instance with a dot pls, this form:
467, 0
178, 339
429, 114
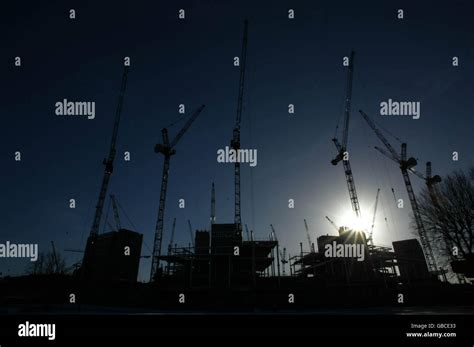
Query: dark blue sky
289, 61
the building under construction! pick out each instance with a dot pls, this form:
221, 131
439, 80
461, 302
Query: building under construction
378, 265
220, 258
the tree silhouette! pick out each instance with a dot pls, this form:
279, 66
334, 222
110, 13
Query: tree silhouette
47, 264
447, 210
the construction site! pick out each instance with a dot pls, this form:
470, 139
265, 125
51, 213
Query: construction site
225, 266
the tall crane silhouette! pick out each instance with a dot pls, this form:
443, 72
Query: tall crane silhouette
431, 182
213, 204
308, 236
371, 233
109, 161
406, 166
173, 228
108, 169
341, 147
167, 149
235, 143
118, 225
191, 234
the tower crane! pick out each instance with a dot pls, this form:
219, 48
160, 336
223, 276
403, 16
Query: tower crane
235, 143
109, 161
342, 146
406, 166
373, 218
213, 204
310, 244
191, 232
167, 149
170, 245
431, 182
118, 225
108, 169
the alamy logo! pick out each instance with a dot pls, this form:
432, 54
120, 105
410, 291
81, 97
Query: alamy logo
346, 250
13, 250
75, 108
230, 155
37, 330
400, 108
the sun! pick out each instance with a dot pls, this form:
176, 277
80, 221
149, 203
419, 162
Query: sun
351, 221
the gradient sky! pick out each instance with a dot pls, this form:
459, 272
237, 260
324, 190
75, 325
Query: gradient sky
289, 61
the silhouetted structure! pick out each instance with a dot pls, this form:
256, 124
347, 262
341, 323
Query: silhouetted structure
220, 258
336, 270
112, 256
411, 261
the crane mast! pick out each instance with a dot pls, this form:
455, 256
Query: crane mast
213, 204
161, 208
406, 166
191, 232
348, 100
373, 218
416, 212
342, 147
310, 244
235, 143
118, 225
170, 246
109, 161
167, 149
431, 181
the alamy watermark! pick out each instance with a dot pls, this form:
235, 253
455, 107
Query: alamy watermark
75, 108
400, 108
344, 250
28, 329
19, 250
230, 155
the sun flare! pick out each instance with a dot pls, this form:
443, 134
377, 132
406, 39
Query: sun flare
349, 220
